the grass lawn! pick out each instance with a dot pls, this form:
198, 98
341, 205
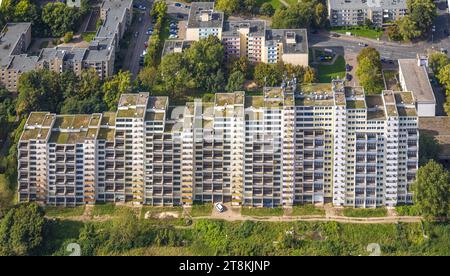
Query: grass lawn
307, 210
328, 72
108, 209
88, 36
6, 195
365, 213
200, 210
64, 212
262, 212
361, 31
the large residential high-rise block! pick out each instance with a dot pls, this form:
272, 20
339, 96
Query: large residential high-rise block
320, 143
356, 12
243, 38
15, 38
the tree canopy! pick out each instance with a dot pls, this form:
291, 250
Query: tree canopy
369, 70
21, 230
432, 190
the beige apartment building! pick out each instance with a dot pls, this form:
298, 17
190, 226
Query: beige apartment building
99, 55
243, 38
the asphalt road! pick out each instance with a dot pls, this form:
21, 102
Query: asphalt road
136, 47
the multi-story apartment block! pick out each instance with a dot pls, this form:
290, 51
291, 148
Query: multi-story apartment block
14, 41
319, 144
100, 54
356, 12
248, 38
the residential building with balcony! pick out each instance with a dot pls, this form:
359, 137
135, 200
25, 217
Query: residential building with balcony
307, 144
100, 55
356, 12
243, 38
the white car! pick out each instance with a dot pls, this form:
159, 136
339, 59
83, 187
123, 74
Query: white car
219, 207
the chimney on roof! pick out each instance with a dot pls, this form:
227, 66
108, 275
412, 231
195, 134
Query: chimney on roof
205, 16
290, 38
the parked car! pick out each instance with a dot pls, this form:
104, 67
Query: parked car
335, 35
362, 44
443, 50
172, 36
348, 67
349, 77
219, 207
178, 5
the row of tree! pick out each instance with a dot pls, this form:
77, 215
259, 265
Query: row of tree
417, 23
440, 64
369, 70
156, 40
304, 14
53, 19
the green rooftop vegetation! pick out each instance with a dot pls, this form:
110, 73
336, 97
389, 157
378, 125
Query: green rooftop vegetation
130, 113
108, 118
95, 119
391, 110
30, 134
36, 118
404, 111
315, 87
404, 98
106, 134
356, 104
254, 101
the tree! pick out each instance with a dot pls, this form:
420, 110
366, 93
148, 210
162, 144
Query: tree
422, 13
428, 149
21, 230
309, 76
68, 37
437, 61
393, 32
26, 12
407, 28
116, 86
301, 15
236, 81
175, 76
159, 9
38, 90
369, 70
268, 74
147, 77
59, 18
432, 190
267, 9
228, 6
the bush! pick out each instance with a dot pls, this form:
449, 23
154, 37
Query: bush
68, 37
407, 210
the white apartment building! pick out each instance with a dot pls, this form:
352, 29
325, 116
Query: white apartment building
322, 143
356, 12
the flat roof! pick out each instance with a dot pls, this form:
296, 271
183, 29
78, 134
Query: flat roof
294, 40
195, 16
255, 27
416, 80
